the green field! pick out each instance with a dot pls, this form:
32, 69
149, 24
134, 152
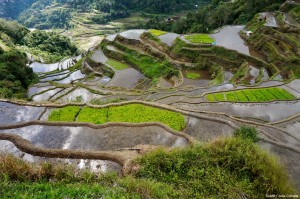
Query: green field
66, 114
193, 75
156, 32
251, 95
116, 64
200, 38
134, 113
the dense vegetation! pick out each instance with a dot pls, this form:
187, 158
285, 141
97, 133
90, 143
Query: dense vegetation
15, 76
11, 9
133, 113
279, 45
51, 46
224, 168
251, 95
215, 15
45, 14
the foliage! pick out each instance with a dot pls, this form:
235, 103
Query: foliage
156, 32
116, 64
150, 66
225, 168
193, 75
15, 76
66, 114
252, 95
215, 15
93, 115
133, 113
246, 132
23, 179
200, 38
50, 42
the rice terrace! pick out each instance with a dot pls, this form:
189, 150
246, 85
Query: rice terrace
147, 101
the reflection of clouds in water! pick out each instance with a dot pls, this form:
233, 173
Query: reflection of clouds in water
45, 96
72, 137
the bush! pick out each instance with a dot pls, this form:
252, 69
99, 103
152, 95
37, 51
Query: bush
225, 168
246, 132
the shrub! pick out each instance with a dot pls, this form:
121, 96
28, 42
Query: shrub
249, 133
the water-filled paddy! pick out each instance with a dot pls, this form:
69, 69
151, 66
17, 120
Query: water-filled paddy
168, 38
132, 34
229, 37
77, 75
127, 78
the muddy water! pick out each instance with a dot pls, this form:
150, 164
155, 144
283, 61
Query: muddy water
229, 37
99, 57
111, 37
45, 96
205, 130
98, 81
254, 72
269, 112
34, 90
77, 75
166, 83
84, 138
227, 76
168, 38
127, 78
79, 93
54, 77
97, 166
11, 113
132, 34
269, 18
42, 68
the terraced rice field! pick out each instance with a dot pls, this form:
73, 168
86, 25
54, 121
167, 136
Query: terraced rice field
133, 113
200, 38
251, 95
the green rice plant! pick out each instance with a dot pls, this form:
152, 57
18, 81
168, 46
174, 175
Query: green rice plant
66, 114
240, 95
136, 113
116, 64
210, 98
281, 94
193, 75
250, 95
288, 95
200, 38
277, 93
267, 94
259, 95
219, 97
93, 115
133, 113
230, 96
157, 32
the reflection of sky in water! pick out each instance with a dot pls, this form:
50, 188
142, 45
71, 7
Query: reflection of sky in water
229, 37
74, 76
45, 96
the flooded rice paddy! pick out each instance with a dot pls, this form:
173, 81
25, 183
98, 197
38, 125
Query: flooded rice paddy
127, 78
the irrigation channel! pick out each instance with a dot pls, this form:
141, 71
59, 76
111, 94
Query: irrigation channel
104, 81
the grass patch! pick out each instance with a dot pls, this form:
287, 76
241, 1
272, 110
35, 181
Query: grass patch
225, 168
66, 114
93, 115
193, 75
210, 98
252, 95
200, 38
133, 113
116, 64
246, 132
156, 32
